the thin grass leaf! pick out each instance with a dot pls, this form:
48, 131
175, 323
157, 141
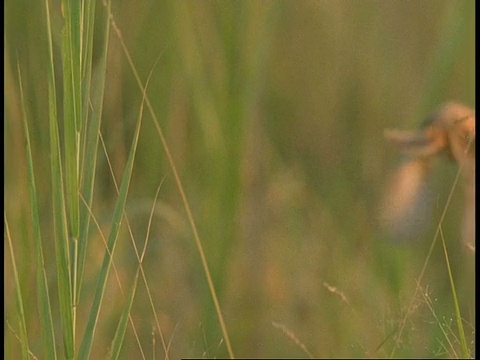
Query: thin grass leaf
122, 323
18, 296
72, 109
86, 345
59, 212
180, 188
144, 277
44, 307
72, 115
117, 277
115, 270
141, 256
88, 21
62, 242
458, 315
92, 133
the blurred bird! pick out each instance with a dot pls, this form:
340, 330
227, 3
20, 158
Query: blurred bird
448, 131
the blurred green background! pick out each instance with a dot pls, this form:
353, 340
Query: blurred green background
274, 112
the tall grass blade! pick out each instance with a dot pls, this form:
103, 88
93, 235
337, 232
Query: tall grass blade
72, 109
59, 210
72, 124
44, 307
18, 296
92, 133
86, 345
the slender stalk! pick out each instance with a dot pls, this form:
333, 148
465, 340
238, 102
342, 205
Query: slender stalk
180, 188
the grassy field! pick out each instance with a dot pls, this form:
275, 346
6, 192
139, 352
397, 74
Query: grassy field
246, 135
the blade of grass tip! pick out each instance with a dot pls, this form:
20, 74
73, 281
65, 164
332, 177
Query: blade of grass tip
88, 22
179, 186
44, 307
141, 113
58, 204
18, 296
86, 345
458, 314
90, 154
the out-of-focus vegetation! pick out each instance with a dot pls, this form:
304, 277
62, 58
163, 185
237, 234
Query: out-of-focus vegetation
274, 112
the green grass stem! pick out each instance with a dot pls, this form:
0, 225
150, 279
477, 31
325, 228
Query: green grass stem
179, 186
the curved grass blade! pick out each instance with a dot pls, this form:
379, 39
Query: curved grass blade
18, 293
120, 332
122, 323
181, 190
72, 107
92, 134
59, 210
44, 307
86, 345
141, 256
147, 288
